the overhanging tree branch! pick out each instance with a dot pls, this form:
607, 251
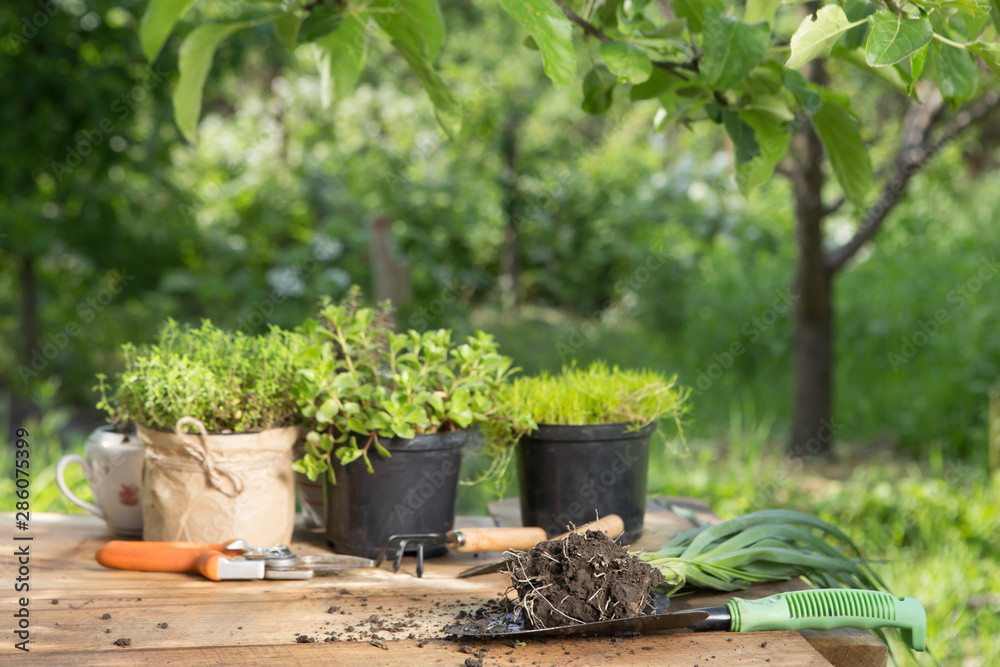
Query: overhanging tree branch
592, 30
915, 152
588, 27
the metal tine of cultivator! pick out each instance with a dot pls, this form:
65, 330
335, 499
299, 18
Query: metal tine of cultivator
403, 541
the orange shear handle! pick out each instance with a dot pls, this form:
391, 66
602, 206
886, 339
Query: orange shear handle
190, 557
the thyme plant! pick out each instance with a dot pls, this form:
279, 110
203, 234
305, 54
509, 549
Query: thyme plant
228, 380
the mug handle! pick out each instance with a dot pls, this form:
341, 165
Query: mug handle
61, 483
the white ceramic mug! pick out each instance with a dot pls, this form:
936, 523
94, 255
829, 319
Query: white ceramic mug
113, 467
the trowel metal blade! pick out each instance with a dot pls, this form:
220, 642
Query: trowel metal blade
634, 625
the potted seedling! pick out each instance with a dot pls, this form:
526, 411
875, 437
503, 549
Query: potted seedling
590, 451
387, 416
218, 420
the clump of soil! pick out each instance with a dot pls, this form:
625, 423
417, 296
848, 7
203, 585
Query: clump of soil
580, 579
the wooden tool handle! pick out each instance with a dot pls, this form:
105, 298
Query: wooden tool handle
611, 524
191, 557
471, 540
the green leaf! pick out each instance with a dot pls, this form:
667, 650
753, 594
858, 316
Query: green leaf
895, 76
694, 11
286, 29
955, 71
817, 34
773, 138
552, 32
659, 82
732, 49
417, 23
340, 58
894, 38
989, 52
598, 90
917, 61
628, 62
669, 30
995, 13
322, 20
347, 455
809, 99
745, 146
607, 13
774, 106
857, 10
761, 10
462, 417
327, 411
843, 145
158, 22
444, 102
194, 62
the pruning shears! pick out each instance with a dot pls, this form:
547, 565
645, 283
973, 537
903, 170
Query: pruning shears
231, 560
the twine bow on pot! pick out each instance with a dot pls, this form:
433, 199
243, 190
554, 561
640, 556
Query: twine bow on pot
199, 450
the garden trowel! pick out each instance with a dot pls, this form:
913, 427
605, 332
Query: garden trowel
821, 609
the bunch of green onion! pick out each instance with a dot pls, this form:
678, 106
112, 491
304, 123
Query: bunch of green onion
770, 545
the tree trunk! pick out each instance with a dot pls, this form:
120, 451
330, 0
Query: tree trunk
812, 425
509, 265
29, 310
812, 431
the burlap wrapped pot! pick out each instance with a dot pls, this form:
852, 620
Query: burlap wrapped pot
215, 487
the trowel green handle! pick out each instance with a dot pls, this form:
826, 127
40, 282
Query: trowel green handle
826, 609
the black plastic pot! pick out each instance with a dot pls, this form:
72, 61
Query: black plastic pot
571, 474
414, 491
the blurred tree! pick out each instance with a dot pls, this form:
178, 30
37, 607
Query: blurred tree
717, 61
80, 111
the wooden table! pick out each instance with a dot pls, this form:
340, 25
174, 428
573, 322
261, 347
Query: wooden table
78, 610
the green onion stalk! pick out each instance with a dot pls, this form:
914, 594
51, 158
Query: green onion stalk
770, 545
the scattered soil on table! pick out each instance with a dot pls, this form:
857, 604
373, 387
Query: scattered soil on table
482, 621
162, 626
580, 579
105, 616
123, 641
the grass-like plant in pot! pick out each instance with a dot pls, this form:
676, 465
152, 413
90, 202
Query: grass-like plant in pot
590, 450
387, 416
217, 415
